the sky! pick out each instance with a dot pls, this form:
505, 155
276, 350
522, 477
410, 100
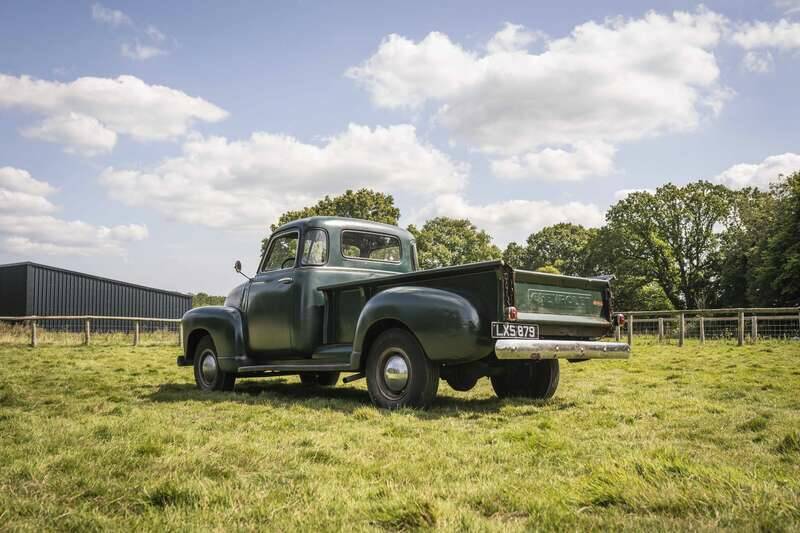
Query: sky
155, 142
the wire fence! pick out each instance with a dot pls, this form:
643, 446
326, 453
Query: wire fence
87, 330
740, 326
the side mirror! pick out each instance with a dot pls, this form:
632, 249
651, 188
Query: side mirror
237, 266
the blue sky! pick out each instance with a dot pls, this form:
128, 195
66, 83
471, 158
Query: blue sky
152, 141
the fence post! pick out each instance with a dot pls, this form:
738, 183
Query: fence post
630, 330
180, 335
702, 329
660, 329
34, 339
136, 333
681, 328
87, 331
753, 329
741, 329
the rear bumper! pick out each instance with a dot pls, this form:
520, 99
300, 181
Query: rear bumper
553, 349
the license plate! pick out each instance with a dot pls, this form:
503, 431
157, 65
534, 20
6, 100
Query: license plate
509, 330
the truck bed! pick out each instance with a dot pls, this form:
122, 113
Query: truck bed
564, 307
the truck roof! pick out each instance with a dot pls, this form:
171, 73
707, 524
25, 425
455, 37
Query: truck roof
348, 223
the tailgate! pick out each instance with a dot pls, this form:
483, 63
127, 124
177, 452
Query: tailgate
563, 305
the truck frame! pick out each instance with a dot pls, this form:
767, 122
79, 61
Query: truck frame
337, 295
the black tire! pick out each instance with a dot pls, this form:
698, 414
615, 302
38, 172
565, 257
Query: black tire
398, 349
528, 379
319, 379
212, 378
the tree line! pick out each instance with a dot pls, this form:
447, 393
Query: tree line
679, 247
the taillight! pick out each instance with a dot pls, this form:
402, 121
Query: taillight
511, 313
620, 320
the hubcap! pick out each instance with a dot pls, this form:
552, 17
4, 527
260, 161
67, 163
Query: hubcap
395, 373
208, 367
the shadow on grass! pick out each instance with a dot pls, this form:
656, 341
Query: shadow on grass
344, 399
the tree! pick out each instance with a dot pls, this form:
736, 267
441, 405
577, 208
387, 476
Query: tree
202, 299
364, 203
563, 246
444, 241
549, 269
776, 274
753, 211
672, 237
514, 255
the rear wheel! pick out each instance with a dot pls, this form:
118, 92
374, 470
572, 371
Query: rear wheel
528, 379
207, 373
399, 374
319, 379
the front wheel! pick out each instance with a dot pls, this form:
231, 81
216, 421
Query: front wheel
529, 379
207, 373
399, 374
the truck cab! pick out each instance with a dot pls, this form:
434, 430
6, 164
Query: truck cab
333, 295
282, 303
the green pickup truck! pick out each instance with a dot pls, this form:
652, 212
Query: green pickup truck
339, 295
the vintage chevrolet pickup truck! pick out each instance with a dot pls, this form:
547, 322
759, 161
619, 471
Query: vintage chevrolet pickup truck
336, 295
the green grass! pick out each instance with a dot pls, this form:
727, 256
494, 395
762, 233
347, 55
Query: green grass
107, 437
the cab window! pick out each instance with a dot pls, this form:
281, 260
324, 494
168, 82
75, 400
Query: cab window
370, 246
282, 252
315, 247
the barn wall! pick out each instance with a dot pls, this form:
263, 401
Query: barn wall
12, 290
54, 291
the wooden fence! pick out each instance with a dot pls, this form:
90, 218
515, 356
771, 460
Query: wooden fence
33, 324
742, 325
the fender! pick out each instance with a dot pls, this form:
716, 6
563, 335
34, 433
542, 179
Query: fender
224, 324
447, 325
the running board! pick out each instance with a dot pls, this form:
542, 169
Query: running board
299, 366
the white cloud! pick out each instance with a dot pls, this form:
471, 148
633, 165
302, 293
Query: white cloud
783, 35
556, 164
154, 33
788, 7
112, 17
140, 52
513, 38
760, 174
249, 183
125, 105
511, 220
623, 193
406, 74
136, 50
26, 227
759, 62
18, 180
78, 133
611, 82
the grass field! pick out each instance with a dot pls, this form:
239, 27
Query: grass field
110, 437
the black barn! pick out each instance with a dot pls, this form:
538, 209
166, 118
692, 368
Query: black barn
33, 289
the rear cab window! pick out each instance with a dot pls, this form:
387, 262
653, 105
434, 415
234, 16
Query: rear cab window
370, 246
315, 247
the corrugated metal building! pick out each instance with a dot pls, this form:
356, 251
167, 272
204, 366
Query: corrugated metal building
33, 289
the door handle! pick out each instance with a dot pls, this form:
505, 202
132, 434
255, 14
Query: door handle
286, 280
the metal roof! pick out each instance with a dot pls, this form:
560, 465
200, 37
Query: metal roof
92, 276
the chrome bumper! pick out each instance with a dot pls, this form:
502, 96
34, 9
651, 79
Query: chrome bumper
551, 349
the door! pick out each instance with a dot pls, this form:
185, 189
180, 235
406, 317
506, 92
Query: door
271, 300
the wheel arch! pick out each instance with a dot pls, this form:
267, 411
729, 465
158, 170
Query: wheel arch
222, 323
192, 340
375, 330
445, 324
